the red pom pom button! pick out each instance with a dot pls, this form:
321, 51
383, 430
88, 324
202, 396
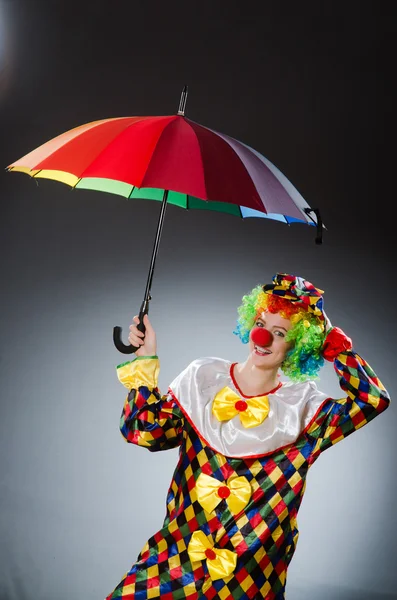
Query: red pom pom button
261, 336
210, 554
241, 405
224, 492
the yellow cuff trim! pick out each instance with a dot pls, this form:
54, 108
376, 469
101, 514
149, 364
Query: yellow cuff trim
138, 372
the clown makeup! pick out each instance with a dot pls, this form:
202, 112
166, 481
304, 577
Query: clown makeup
273, 353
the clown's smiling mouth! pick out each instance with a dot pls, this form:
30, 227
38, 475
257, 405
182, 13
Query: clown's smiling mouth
261, 351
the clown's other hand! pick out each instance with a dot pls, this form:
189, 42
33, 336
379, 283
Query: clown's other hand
335, 342
146, 346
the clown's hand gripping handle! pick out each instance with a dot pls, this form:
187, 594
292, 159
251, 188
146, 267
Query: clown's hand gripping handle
130, 349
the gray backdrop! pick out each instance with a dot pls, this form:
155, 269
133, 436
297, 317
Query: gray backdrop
77, 502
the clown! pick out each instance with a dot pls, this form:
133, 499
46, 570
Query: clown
247, 441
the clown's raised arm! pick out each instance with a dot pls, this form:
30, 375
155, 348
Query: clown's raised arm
148, 419
366, 396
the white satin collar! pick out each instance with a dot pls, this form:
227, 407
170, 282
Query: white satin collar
292, 407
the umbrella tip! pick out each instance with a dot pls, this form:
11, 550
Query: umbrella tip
182, 101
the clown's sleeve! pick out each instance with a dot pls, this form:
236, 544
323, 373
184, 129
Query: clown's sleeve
366, 396
148, 419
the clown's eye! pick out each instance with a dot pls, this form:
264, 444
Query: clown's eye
279, 333
259, 323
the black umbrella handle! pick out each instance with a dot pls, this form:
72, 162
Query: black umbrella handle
130, 349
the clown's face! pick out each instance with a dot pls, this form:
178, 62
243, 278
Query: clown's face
272, 355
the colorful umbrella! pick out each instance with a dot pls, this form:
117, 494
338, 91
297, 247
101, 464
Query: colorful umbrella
172, 159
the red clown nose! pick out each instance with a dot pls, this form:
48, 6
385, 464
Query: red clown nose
261, 336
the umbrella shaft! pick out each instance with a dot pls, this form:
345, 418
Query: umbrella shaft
156, 245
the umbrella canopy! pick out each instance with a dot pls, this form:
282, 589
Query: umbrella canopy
139, 157
172, 159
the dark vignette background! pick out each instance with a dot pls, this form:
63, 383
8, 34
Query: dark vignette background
310, 86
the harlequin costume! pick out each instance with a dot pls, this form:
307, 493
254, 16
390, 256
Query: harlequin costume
231, 529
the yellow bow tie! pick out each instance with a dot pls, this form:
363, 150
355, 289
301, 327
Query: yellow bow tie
210, 492
252, 411
220, 563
